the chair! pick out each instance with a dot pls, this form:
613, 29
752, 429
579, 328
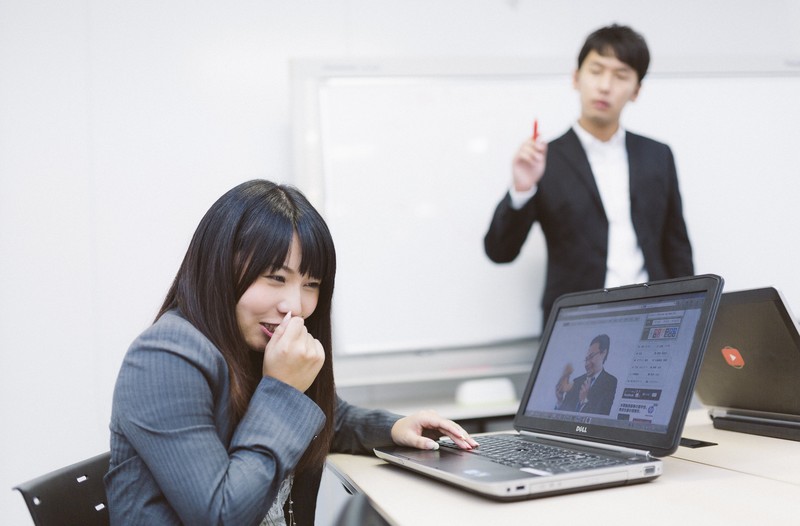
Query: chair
73, 495
358, 511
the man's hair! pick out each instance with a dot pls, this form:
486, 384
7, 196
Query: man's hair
603, 341
624, 43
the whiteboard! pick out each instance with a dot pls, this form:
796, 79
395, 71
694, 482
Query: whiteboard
408, 162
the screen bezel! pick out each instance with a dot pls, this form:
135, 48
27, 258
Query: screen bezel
658, 444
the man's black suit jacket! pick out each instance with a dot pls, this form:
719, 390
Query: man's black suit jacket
599, 399
568, 207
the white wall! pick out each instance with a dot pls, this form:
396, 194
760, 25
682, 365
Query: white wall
121, 121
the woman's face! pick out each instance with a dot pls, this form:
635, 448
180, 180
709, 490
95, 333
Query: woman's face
265, 303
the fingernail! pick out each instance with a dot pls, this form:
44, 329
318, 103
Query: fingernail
434, 446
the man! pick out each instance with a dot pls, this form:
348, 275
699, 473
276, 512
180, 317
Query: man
594, 391
607, 199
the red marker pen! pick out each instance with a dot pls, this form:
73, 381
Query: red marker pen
535, 129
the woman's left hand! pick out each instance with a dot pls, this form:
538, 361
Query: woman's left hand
418, 429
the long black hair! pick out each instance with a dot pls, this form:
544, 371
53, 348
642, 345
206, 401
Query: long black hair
246, 232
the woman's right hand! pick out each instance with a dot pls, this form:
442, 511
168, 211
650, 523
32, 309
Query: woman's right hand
292, 355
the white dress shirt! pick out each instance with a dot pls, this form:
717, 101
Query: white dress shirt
609, 162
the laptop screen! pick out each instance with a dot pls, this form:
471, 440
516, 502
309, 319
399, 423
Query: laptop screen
617, 370
752, 361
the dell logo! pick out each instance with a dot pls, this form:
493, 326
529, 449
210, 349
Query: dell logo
581, 429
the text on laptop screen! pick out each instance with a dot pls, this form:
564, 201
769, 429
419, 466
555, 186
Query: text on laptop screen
618, 364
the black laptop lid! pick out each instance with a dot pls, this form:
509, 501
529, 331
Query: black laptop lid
753, 357
646, 340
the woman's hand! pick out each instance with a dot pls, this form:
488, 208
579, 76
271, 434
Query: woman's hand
292, 355
420, 429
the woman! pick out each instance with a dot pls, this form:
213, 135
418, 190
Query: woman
225, 408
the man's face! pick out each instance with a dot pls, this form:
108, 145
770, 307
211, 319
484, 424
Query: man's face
594, 359
606, 85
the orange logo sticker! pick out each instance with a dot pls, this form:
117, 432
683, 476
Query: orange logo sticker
733, 357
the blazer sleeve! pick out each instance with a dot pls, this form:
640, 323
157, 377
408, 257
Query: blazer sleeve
358, 430
508, 230
171, 403
657, 209
605, 393
676, 247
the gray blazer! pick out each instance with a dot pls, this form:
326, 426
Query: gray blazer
176, 455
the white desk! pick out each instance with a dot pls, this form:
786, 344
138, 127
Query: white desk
771, 458
698, 486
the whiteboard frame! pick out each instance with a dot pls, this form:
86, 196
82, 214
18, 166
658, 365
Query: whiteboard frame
308, 75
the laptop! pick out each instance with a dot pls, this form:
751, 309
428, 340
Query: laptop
648, 340
749, 377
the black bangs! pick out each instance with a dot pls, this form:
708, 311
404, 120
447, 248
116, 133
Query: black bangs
262, 243
318, 258
262, 246
264, 235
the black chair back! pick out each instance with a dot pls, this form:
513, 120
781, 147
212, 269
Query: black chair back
70, 496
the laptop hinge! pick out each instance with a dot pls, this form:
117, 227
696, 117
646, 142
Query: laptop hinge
596, 445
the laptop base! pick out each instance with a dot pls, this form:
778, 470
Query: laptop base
553, 493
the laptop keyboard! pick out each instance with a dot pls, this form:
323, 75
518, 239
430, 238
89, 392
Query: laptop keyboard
511, 451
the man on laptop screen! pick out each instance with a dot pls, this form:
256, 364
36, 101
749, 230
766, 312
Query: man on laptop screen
652, 340
594, 391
